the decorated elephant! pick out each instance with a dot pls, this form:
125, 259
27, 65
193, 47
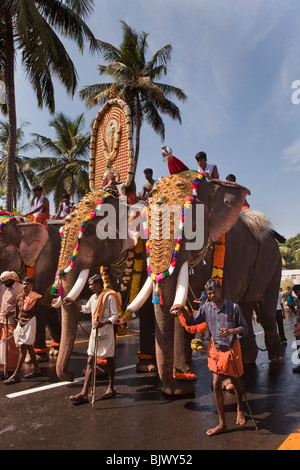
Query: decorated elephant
30, 249
85, 249
238, 249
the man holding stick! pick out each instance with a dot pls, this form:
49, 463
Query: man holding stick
225, 321
104, 307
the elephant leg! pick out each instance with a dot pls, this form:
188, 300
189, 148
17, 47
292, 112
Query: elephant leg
146, 355
248, 343
164, 341
53, 322
182, 350
268, 320
40, 347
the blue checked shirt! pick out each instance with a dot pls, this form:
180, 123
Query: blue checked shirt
228, 316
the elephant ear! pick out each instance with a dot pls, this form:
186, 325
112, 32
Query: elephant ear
227, 201
34, 238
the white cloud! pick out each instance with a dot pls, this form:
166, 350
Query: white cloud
292, 155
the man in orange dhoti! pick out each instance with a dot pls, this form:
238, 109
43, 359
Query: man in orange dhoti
41, 207
225, 321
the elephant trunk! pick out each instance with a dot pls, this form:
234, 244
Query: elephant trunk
69, 323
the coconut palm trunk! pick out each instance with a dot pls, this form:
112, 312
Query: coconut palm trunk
138, 126
11, 107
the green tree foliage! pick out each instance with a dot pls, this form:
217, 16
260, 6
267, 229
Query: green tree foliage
24, 177
30, 27
290, 253
67, 169
135, 81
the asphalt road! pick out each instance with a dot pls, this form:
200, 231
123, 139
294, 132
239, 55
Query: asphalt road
36, 414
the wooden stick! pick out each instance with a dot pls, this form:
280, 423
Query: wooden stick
5, 366
94, 368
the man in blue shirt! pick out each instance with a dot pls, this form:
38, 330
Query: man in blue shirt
225, 321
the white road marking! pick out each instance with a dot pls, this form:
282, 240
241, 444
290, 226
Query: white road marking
58, 384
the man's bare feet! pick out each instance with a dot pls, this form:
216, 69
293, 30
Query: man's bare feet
240, 418
217, 430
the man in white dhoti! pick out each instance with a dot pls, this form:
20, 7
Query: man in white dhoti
104, 307
28, 304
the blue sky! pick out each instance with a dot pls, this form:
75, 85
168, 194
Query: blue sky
236, 61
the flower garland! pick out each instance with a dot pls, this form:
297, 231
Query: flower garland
219, 258
187, 205
136, 277
105, 278
56, 288
128, 271
200, 328
5, 221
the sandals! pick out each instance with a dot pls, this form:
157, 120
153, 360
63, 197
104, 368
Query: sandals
109, 394
12, 380
78, 399
32, 375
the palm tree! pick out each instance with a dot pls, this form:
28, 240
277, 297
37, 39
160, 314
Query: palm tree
24, 177
135, 82
29, 27
66, 171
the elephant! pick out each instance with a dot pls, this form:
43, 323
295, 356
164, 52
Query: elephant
90, 254
250, 273
83, 250
25, 243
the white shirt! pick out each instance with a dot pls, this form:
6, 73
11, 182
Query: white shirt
208, 169
110, 308
37, 203
279, 301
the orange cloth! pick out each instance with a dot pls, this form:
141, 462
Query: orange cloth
221, 362
42, 218
13, 350
30, 300
97, 315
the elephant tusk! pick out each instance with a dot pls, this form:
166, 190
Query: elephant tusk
141, 297
57, 304
182, 285
79, 284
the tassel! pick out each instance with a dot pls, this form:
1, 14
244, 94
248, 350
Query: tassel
59, 290
160, 298
155, 295
54, 289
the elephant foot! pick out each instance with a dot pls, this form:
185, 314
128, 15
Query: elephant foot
40, 357
53, 351
274, 347
145, 365
179, 388
249, 350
